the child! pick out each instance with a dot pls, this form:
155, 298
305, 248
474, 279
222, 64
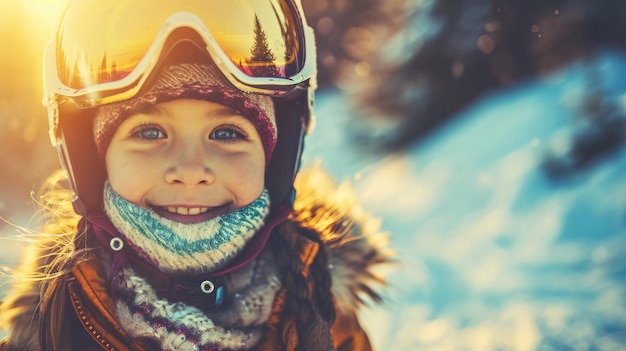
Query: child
180, 126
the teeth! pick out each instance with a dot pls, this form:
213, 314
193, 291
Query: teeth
187, 211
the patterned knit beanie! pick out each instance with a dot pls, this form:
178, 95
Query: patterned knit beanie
190, 81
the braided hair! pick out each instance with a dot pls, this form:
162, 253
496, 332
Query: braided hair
308, 305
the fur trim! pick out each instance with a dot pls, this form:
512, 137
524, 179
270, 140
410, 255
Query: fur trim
19, 311
357, 249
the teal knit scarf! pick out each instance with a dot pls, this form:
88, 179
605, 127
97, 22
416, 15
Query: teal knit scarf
186, 248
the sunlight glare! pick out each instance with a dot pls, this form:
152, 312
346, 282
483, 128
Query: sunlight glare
42, 14
25, 26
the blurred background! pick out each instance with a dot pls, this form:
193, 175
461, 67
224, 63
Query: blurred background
488, 136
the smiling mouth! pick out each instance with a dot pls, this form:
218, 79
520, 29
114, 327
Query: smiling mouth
190, 215
187, 211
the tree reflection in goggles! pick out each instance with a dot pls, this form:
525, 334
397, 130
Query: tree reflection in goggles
102, 41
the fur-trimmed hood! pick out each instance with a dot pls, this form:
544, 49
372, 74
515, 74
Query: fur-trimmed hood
354, 243
356, 247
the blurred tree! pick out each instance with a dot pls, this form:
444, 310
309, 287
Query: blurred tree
349, 33
452, 52
598, 127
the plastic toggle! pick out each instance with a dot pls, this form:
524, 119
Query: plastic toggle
116, 244
208, 287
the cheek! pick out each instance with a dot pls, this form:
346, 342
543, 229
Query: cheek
127, 176
249, 180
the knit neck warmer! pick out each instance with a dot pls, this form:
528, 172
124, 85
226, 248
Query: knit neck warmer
176, 326
185, 249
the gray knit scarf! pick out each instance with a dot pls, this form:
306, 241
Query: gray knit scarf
176, 326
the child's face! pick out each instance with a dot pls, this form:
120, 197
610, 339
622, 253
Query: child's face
189, 160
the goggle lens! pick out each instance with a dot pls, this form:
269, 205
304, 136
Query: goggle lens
103, 41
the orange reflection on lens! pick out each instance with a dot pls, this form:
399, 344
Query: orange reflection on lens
100, 41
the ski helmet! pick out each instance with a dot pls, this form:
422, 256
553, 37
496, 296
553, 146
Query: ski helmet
105, 52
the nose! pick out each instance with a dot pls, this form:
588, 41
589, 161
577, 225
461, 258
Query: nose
190, 169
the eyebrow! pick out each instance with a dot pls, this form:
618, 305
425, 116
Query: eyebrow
221, 112
150, 110
224, 112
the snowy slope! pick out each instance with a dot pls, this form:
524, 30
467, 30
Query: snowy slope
495, 255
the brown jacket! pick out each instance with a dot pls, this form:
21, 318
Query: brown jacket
354, 247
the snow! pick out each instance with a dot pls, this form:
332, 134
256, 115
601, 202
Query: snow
494, 254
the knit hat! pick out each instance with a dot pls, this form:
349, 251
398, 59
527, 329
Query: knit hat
190, 81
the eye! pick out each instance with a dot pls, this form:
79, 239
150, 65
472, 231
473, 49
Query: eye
148, 132
228, 133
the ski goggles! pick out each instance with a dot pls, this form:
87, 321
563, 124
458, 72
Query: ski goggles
103, 50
